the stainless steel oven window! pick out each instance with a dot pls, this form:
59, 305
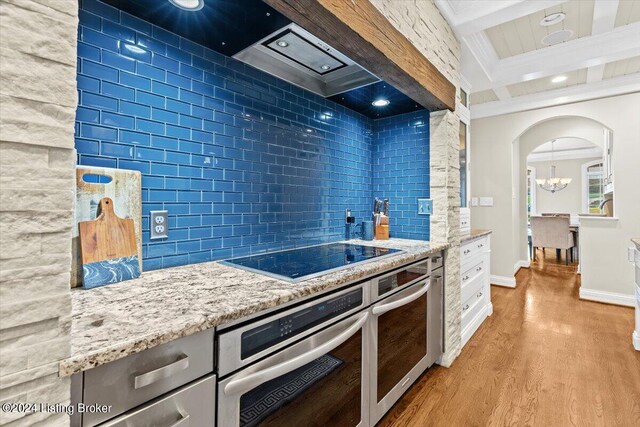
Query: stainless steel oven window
404, 343
322, 380
400, 348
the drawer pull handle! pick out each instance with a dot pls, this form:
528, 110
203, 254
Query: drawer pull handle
480, 245
466, 307
465, 278
479, 294
182, 422
479, 269
151, 377
466, 251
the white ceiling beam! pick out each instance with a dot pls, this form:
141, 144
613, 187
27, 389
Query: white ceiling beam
502, 93
595, 73
483, 51
604, 20
604, 16
621, 43
578, 93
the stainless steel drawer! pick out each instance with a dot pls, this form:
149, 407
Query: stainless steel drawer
191, 406
400, 278
136, 379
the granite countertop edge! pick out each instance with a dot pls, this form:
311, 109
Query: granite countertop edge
92, 346
636, 241
474, 234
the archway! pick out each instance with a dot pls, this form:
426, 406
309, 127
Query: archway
574, 127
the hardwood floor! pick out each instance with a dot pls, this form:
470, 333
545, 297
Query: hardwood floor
545, 358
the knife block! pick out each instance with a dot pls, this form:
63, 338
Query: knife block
382, 232
382, 227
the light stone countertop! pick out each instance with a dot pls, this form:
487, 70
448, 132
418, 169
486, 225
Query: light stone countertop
114, 321
636, 241
475, 233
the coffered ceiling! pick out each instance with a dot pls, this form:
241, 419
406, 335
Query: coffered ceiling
525, 34
508, 65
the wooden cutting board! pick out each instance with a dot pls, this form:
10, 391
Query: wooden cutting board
92, 185
108, 248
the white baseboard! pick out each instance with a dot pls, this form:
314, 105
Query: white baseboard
636, 341
607, 297
509, 282
521, 264
446, 360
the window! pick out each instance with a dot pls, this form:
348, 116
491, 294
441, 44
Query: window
464, 98
463, 165
592, 187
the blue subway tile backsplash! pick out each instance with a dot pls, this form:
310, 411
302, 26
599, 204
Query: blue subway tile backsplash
243, 162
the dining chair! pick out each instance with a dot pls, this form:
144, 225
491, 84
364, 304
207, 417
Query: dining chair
552, 232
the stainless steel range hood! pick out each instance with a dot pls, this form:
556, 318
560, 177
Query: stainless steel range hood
295, 55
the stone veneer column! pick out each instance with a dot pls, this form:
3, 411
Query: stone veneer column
422, 23
445, 220
38, 99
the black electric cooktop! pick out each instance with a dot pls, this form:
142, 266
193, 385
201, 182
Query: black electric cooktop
300, 264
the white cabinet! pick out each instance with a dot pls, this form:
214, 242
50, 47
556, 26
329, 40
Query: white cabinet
475, 285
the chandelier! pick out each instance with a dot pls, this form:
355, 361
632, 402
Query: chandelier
553, 183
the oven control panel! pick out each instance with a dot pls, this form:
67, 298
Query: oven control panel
266, 335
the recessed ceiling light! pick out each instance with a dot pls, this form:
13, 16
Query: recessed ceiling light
556, 37
552, 19
326, 67
282, 43
190, 5
559, 79
380, 102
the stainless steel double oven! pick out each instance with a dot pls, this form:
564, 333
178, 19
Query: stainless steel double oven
341, 359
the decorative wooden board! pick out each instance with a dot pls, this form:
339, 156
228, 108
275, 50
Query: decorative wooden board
124, 188
109, 250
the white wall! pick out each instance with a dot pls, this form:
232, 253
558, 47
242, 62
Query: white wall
604, 242
568, 200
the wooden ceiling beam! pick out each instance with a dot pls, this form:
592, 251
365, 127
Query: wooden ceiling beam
358, 30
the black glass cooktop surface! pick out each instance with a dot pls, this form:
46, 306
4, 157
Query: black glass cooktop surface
304, 263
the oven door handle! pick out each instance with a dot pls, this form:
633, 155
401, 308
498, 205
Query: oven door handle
381, 309
244, 384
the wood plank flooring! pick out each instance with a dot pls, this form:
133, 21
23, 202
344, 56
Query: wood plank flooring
545, 358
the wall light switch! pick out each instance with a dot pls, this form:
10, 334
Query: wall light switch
486, 201
159, 225
425, 206
474, 201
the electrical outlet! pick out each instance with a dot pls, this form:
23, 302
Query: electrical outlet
425, 206
159, 225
